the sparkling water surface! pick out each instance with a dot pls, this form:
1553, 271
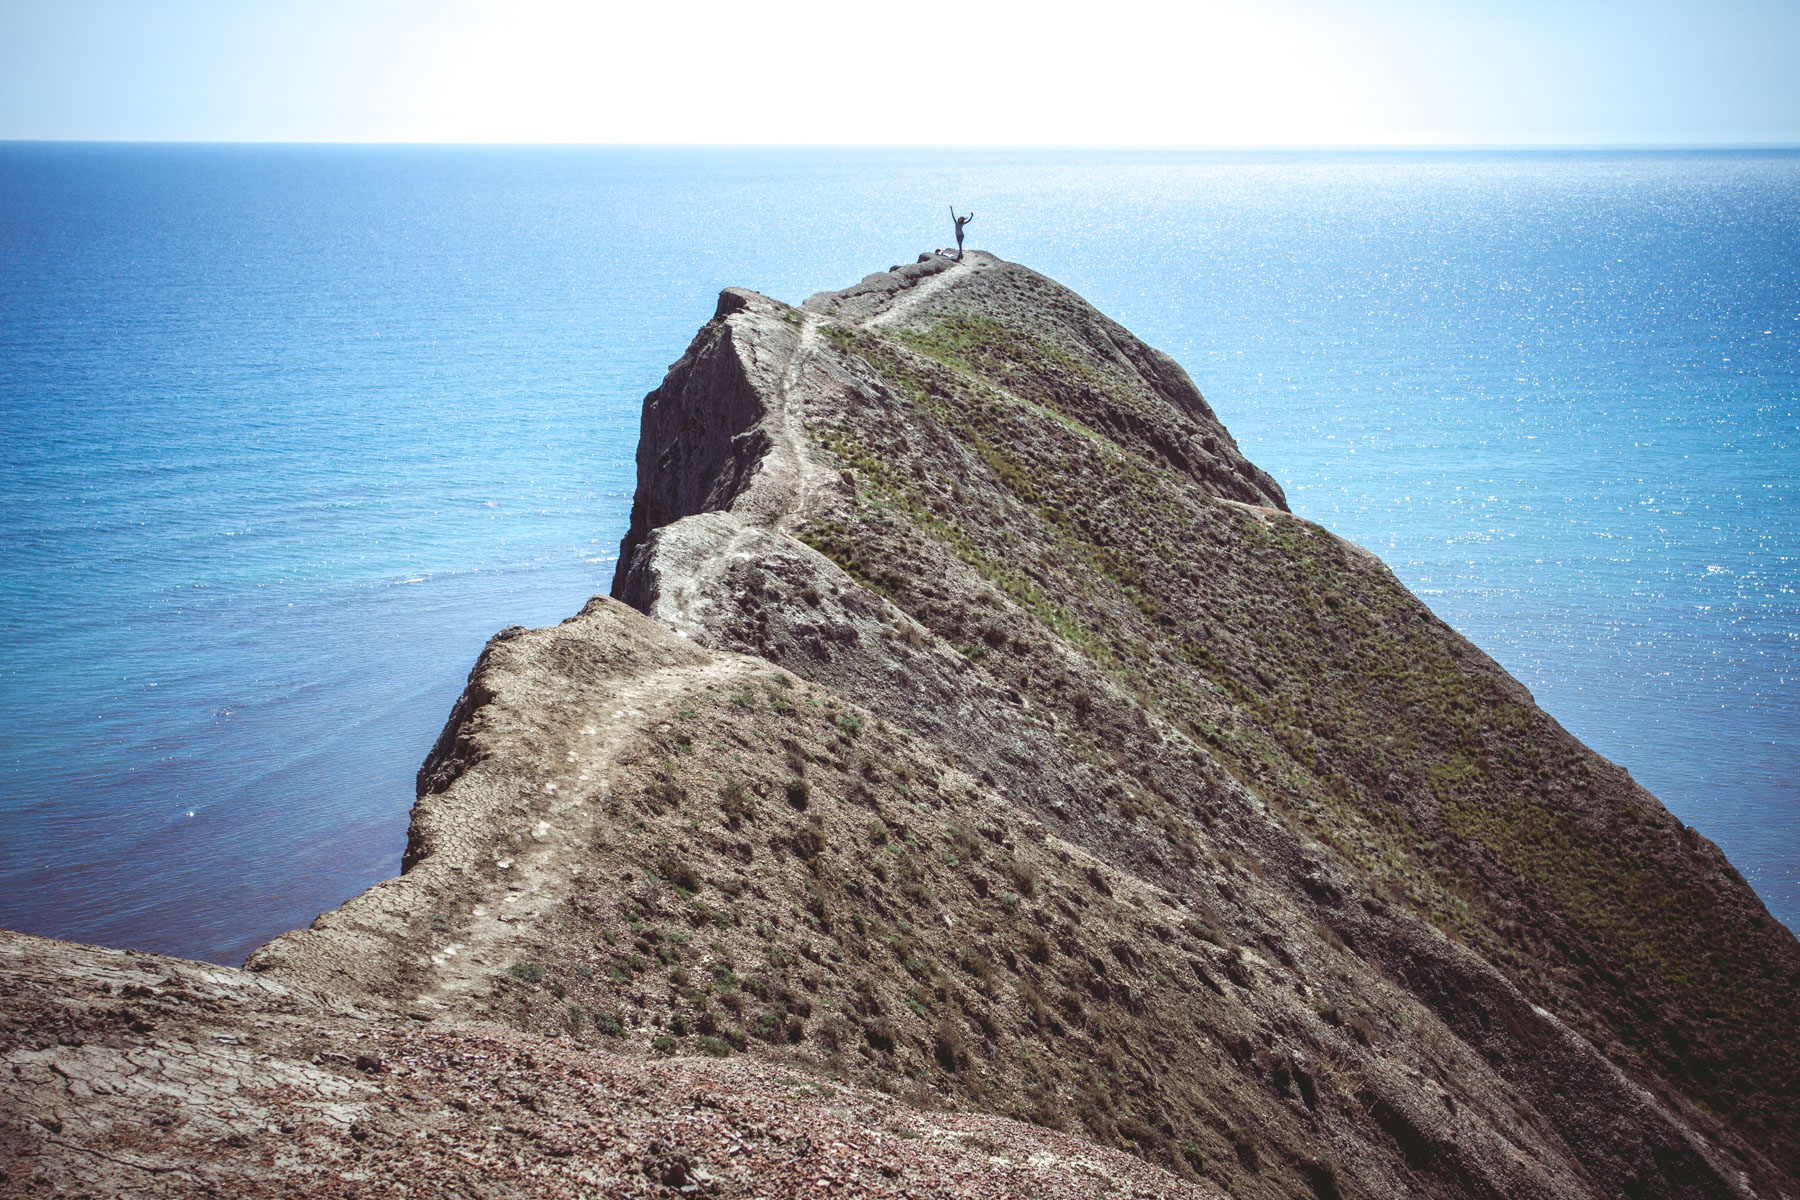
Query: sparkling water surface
290, 431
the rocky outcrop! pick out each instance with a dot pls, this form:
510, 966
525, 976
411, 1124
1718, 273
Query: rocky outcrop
710, 416
972, 728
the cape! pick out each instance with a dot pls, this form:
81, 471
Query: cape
978, 782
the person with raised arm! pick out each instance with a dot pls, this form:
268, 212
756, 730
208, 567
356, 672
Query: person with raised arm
960, 222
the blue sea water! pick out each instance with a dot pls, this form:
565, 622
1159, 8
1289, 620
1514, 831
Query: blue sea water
289, 431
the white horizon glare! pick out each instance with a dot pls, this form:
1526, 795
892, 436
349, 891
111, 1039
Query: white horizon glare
987, 73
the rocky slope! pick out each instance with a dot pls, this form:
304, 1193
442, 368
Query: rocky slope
133, 1075
987, 738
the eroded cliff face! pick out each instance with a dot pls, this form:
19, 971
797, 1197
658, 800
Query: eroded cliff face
974, 728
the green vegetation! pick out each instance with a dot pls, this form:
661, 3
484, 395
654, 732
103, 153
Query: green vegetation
737, 803
678, 873
1302, 666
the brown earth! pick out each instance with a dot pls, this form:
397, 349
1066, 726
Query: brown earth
134, 1075
996, 744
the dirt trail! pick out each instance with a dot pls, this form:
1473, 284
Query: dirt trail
791, 432
789, 425
542, 877
907, 302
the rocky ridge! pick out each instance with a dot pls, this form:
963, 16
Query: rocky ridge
974, 731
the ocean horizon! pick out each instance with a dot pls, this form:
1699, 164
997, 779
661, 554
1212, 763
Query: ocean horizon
294, 429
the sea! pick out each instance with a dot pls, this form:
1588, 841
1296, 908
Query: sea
290, 431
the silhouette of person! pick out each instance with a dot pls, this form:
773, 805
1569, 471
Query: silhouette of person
960, 222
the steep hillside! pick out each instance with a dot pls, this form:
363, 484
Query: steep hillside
1107, 615
978, 780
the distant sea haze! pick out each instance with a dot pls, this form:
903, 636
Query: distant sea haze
291, 431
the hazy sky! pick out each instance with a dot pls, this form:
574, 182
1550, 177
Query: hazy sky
982, 72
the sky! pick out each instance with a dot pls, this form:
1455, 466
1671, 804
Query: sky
983, 72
